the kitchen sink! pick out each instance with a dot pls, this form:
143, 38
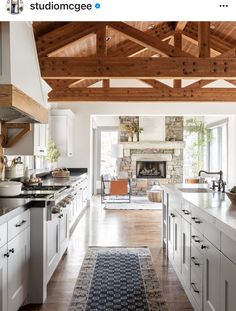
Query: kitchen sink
195, 190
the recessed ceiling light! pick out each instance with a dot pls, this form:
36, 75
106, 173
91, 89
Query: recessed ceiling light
151, 26
108, 38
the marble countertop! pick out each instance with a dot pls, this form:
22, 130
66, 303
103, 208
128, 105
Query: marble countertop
215, 204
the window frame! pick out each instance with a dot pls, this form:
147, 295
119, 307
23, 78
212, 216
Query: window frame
219, 125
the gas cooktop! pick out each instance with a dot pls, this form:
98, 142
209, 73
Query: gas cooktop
42, 188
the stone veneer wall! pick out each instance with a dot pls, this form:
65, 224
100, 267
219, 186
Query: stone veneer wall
124, 135
174, 161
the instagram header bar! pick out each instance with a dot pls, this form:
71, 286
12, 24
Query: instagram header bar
127, 10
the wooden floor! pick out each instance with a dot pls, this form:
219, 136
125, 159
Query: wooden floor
113, 228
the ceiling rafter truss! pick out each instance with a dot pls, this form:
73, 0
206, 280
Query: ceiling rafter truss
71, 77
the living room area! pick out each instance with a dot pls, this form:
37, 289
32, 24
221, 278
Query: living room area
133, 156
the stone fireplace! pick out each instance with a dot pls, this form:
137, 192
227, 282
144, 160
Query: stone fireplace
151, 169
153, 162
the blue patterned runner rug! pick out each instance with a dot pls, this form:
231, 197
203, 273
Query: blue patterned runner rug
120, 279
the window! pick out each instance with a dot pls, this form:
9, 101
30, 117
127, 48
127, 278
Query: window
107, 163
218, 148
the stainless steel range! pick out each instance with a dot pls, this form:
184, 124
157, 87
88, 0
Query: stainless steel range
53, 198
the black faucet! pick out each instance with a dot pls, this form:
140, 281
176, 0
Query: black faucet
221, 183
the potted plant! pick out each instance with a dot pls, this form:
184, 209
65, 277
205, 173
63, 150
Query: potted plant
200, 137
53, 154
134, 130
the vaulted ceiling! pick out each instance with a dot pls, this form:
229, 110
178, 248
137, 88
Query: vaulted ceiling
75, 56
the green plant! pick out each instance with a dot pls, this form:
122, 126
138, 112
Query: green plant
133, 128
200, 137
53, 152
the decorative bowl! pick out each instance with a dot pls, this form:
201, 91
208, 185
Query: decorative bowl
231, 196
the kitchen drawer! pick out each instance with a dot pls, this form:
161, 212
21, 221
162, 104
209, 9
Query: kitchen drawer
197, 220
228, 247
196, 289
3, 234
196, 263
212, 234
196, 239
186, 210
18, 224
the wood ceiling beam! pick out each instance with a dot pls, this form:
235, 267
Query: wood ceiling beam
198, 84
59, 38
143, 94
179, 27
138, 68
218, 44
130, 48
204, 39
147, 41
155, 83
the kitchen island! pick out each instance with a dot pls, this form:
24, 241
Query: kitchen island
199, 234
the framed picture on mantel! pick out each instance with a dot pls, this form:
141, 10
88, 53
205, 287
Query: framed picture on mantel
153, 128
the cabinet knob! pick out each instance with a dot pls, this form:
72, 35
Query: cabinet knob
172, 215
12, 250
203, 246
6, 255
196, 239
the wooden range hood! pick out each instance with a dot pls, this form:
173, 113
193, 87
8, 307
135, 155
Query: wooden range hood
16, 106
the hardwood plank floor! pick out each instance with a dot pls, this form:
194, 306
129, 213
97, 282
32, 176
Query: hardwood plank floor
98, 227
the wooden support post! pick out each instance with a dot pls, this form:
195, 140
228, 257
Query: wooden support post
204, 39
178, 44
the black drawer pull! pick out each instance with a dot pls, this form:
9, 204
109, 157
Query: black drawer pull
6, 255
195, 288
12, 250
172, 215
203, 246
21, 223
60, 216
195, 261
196, 239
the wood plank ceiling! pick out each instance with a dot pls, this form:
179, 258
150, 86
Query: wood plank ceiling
173, 61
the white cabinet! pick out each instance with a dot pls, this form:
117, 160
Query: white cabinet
62, 130
64, 229
53, 250
33, 143
14, 264
170, 238
185, 259
3, 278
211, 283
57, 239
227, 285
18, 265
40, 139
177, 241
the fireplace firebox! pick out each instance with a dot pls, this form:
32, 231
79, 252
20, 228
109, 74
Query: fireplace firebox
151, 169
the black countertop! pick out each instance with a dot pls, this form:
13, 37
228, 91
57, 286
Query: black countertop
11, 207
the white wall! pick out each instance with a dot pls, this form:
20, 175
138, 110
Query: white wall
84, 111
